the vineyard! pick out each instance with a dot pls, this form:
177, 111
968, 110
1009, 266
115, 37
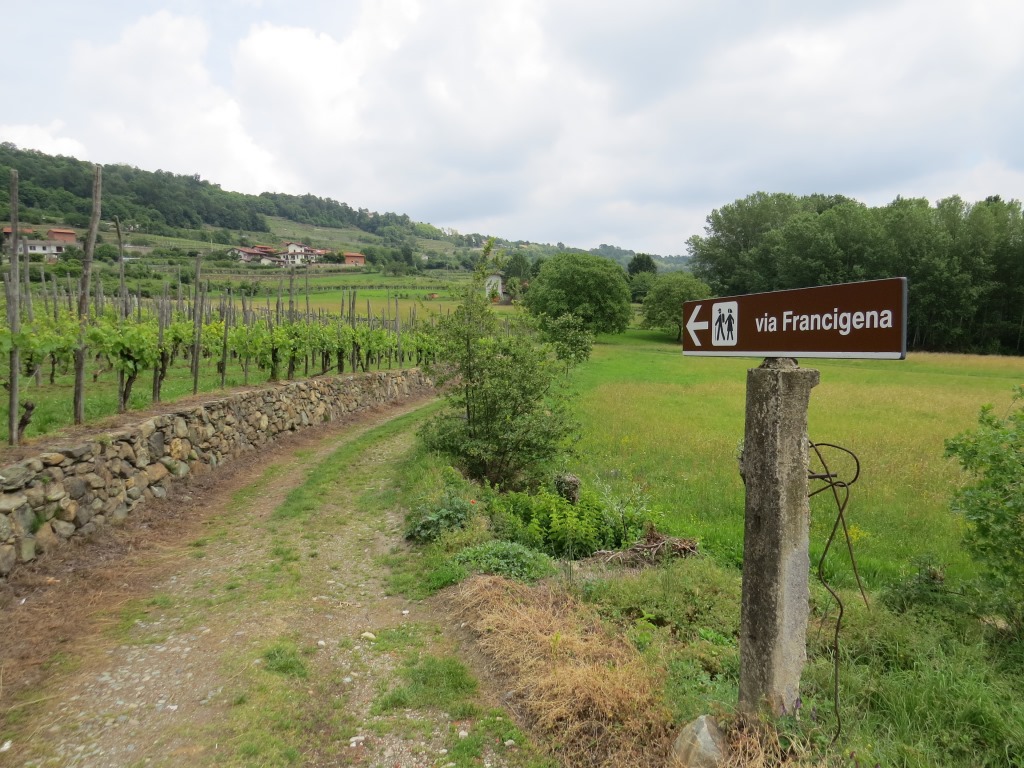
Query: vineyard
193, 341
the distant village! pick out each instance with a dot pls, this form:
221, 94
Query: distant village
289, 254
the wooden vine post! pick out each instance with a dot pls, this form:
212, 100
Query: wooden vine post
197, 327
13, 316
83, 294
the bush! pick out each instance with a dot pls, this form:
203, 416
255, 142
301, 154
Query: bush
506, 558
546, 521
431, 521
994, 504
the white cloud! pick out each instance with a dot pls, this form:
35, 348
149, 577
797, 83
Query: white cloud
584, 122
151, 102
44, 138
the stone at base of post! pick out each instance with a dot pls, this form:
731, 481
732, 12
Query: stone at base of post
776, 555
700, 744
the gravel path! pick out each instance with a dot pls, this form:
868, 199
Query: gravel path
256, 639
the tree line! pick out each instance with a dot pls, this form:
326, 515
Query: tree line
964, 262
165, 203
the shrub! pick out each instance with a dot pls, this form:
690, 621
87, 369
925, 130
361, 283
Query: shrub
431, 521
994, 503
546, 521
506, 558
506, 414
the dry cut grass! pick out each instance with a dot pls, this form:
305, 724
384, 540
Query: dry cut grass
580, 689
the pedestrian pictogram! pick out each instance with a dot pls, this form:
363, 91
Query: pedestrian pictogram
726, 314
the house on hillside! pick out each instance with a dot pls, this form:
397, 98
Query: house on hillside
6, 238
247, 255
62, 235
49, 250
300, 253
354, 259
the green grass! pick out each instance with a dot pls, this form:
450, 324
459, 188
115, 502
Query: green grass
283, 658
675, 425
930, 686
441, 683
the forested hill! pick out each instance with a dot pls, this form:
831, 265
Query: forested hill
163, 203
59, 189
964, 262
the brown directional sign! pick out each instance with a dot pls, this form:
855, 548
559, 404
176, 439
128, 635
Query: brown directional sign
867, 319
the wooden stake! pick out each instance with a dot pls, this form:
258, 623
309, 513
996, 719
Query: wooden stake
83, 294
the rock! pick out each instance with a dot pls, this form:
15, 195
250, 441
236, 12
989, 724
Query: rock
147, 428
52, 458
6, 529
179, 448
368, 636
26, 549
95, 481
126, 452
701, 744
156, 472
180, 427
75, 486
83, 515
11, 501
55, 492
175, 467
463, 734
155, 444
23, 518
62, 528
8, 557
36, 496
67, 509
46, 539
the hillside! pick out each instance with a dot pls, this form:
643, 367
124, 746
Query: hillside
160, 204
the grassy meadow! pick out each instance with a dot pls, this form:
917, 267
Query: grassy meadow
930, 685
675, 425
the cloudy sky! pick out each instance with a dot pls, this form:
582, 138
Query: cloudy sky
581, 121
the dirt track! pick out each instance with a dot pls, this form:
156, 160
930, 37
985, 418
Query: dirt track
144, 645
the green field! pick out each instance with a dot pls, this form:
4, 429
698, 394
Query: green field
925, 678
932, 686
675, 423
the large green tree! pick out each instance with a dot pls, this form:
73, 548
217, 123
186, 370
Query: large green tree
964, 262
590, 287
663, 306
641, 262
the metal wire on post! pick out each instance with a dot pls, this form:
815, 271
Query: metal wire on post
840, 488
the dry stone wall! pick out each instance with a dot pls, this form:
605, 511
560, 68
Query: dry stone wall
70, 491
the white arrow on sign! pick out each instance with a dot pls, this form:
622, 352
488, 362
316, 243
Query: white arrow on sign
692, 325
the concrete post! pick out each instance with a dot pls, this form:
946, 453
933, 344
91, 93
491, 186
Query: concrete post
776, 557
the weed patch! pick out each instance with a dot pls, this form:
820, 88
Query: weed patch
283, 658
441, 683
581, 689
